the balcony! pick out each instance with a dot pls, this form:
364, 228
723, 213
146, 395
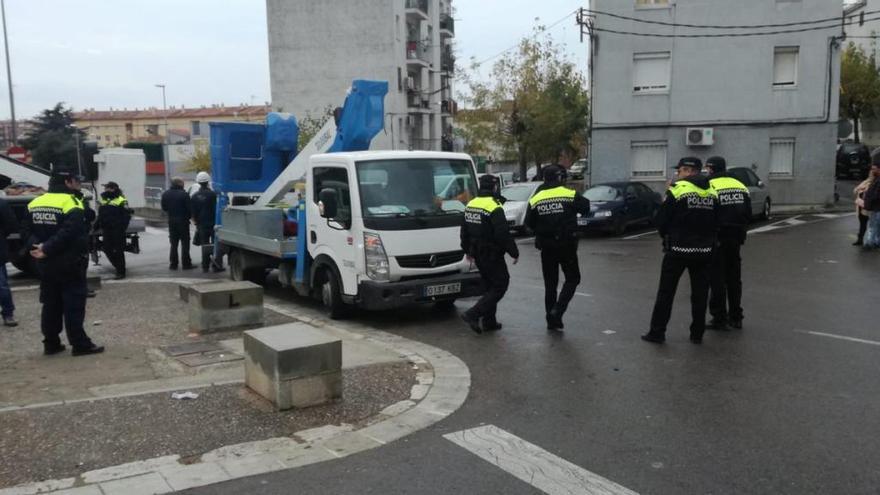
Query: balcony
421, 144
417, 10
447, 61
448, 107
416, 54
417, 103
447, 26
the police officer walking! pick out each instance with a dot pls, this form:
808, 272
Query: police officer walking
552, 215
204, 210
176, 204
58, 237
687, 221
734, 212
113, 218
485, 237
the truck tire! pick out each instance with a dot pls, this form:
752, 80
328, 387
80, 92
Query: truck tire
331, 295
239, 270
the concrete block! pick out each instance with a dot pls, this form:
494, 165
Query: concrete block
186, 289
93, 283
293, 365
224, 305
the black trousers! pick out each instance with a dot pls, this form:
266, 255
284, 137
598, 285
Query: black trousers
670, 273
493, 270
205, 235
863, 225
113, 243
178, 233
556, 255
64, 306
725, 302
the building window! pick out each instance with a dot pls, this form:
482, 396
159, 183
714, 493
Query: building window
196, 128
129, 128
642, 3
651, 72
785, 66
648, 159
152, 129
782, 157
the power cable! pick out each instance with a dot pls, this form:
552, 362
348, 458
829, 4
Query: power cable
551, 26
725, 35
726, 26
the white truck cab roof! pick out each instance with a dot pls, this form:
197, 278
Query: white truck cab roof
387, 155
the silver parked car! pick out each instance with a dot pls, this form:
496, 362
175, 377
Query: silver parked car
517, 203
758, 191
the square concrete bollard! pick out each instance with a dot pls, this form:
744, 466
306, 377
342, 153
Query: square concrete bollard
93, 283
225, 305
293, 365
186, 289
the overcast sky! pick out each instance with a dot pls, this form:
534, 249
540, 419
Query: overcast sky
111, 53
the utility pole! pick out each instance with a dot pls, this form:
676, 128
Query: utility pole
167, 137
585, 22
9, 73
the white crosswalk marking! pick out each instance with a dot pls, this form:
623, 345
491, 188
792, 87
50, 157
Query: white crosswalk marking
844, 337
154, 231
532, 464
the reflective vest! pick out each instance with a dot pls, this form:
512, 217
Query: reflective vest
729, 190
560, 193
48, 208
117, 201
479, 207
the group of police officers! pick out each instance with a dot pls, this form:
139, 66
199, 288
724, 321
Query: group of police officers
702, 221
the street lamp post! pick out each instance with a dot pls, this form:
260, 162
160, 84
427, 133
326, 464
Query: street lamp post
9, 73
167, 136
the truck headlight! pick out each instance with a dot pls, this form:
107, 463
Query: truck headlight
377, 260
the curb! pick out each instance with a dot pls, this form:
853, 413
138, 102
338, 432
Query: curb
443, 384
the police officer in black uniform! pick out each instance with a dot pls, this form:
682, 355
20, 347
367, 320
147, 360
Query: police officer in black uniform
552, 216
58, 237
688, 223
113, 218
176, 204
734, 213
485, 237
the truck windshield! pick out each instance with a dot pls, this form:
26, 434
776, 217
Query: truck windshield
415, 187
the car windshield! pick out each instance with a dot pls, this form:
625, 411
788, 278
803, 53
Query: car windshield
517, 193
602, 193
415, 187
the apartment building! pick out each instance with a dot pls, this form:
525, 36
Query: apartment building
766, 102
317, 48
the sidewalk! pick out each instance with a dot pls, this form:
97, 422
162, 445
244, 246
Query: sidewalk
65, 419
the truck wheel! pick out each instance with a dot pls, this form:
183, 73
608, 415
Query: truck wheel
331, 296
240, 271
765, 212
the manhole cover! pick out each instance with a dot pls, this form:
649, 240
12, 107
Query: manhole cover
214, 357
191, 348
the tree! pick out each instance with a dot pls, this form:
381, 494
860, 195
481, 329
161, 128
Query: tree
311, 124
200, 161
859, 86
53, 138
538, 99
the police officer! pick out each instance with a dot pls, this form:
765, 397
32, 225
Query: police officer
204, 210
485, 237
58, 237
176, 204
552, 216
687, 221
113, 217
734, 212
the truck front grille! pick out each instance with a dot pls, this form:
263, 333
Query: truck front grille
430, 260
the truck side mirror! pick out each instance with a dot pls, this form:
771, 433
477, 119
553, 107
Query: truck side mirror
328, 203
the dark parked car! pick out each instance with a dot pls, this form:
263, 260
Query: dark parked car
615, 206
758, 191
853, 161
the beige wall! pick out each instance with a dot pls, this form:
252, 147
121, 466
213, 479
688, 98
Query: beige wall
115, 132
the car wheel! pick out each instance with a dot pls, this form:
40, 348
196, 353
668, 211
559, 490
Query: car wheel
765, 212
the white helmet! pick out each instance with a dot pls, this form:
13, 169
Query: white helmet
203, 177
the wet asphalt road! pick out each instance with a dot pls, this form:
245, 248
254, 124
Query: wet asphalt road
769, 409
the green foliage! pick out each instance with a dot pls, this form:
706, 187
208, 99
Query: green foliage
200, 161
537, 101
52, 139
311, 124
859, 86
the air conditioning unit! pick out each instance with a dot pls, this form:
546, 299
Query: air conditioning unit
700, 136
410, 83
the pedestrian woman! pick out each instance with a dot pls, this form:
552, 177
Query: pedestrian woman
872, 205
859, 194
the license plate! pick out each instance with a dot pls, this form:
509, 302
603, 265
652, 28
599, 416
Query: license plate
583, 221
442, 290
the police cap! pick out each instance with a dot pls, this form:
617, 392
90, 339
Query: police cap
717, 163
554, 173
63, 174
488, 182
689, 161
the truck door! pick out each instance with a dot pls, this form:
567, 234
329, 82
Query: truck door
333, 237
